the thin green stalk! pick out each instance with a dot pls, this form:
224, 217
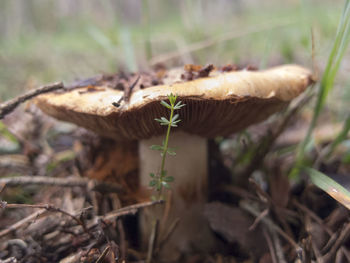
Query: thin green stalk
166, 147
340, 138
161, 179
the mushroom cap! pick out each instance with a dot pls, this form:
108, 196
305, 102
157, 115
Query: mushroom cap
220, 104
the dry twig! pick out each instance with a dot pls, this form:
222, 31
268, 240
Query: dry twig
27, 220
63, 182
270, 245
49, 208
345, 233
103, 255
129, 210
8, 106
252, 210
127, 93
312, 215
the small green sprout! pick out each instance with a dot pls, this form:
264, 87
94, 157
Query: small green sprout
161, 180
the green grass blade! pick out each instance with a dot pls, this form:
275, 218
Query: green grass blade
340, 137
337, 53
330, 186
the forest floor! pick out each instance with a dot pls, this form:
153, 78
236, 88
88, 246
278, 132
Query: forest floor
64, 197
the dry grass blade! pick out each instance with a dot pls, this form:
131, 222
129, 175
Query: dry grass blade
270, 245
152, 242
247, 207
344, 234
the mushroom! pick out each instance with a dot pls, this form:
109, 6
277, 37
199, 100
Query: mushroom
220, 104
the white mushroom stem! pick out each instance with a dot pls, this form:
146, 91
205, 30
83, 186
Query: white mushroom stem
189, 190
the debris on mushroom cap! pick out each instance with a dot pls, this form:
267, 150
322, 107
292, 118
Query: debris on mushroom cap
220, 104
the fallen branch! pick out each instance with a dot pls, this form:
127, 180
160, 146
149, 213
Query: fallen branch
63, 182
27, 220
49, 208
8, 106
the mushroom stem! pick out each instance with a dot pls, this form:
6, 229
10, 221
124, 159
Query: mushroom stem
189, 191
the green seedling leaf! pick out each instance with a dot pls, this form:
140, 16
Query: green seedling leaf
168, 179
163, 121
157, 147
160, 181
166, 185
330, 186
172, 99
152, 175
158, 120
152, 183
179, 105
176, 116
165, 104
171, 152
174, 123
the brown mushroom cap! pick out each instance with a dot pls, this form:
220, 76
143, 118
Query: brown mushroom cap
223, 103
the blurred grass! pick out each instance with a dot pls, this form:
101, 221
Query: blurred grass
335, 58
60, 40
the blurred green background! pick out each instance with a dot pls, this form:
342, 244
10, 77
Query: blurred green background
64, 40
